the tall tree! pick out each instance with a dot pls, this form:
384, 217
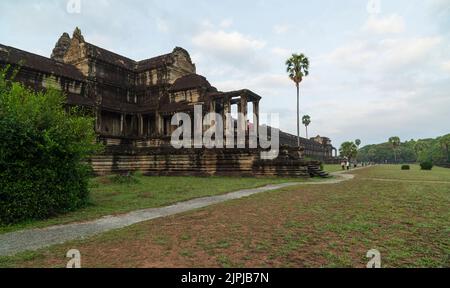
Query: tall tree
306, 120
348, 149
297, 67
372, 154
419, 147
395, 143
445, 143
358, 142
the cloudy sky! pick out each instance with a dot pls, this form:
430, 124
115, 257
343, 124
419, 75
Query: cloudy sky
378, 68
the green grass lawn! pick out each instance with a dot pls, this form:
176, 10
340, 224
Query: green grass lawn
331, 225
109, 197
304, 226
330, 168
395, 172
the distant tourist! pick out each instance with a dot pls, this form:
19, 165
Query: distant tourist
249, 125
343, 165
348, 165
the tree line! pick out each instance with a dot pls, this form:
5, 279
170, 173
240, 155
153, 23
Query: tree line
396, 151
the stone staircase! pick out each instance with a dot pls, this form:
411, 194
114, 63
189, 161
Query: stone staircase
315, 171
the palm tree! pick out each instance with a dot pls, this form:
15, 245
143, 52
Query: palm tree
306, 120
349, 150
358, 142
395, 142
297, 67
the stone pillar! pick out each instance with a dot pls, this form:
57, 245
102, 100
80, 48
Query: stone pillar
212, 109
149, 126
122, 120
242, 122
225, 113
98, 120
140, 125
212, 106
158, 124
256, 113
243, 109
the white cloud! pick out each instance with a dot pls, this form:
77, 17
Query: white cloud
407, 51
387, 54
446, 66
206, 24
440, 6
382, 25
262, 83
281, 28
226, 45
281, 52
226, 23
162, 25
354, 54
388, 84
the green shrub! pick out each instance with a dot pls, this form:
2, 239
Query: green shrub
43, 149
406, 167
126, 178
426, 165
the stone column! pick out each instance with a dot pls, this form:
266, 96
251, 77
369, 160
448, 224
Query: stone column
256, 113
243, 109
149, 126
225, 113
140, 125
212, 109
242, 122
158, 124
98, 120
122, 119
212, 106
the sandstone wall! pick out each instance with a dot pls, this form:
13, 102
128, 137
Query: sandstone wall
200, 162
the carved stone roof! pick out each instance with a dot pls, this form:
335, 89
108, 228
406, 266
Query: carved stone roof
61, 48
127, 63
155, 62
250, 94
110, 57
191, 81
39, 63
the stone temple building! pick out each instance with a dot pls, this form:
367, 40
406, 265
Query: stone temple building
133, 103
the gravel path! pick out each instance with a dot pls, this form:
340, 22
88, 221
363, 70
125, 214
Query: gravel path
33, 239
